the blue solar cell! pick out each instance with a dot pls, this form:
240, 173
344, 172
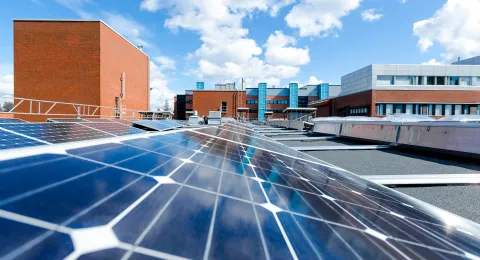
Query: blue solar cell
106, 154
10, 140
205, 177
145, 163
184, 229
17, 234
158, 125
235, 230
112, 253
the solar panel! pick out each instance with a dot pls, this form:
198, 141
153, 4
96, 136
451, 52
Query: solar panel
11, 120
58, 132
114, 128
191, 195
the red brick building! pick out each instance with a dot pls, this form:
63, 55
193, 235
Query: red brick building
80, 62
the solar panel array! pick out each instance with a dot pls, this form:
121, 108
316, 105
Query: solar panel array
196, 195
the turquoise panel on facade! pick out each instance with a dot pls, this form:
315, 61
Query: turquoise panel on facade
200, 85
262, 101
293, 95
323, 91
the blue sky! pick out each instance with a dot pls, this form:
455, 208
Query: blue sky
274, 41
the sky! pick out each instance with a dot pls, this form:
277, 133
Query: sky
273, 41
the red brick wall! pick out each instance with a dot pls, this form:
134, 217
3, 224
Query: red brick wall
57, 61
354, 100
76, 62
205, 101
117, 56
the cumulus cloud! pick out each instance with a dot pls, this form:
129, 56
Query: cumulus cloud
227, 51
432, 62
128, 27
279, 51
370, 15
314, 81
319, 17
403, 1
455, 26
159, 80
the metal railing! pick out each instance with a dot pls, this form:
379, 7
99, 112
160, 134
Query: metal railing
37, 107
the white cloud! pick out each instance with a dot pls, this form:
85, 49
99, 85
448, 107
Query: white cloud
160, 92
403, 1
370, 15
319, 17
314, 81
432, 62
455, 27
128, 27
227, 52
279, 53
78, 7
6, 84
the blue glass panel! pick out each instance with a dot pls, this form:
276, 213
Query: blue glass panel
205, 178
114, 128
55, 246
12, 120
276, 245
113, 155
262, 101
293, 95
16, 234
112, 253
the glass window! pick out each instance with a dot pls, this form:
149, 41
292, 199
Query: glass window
440, 80
420, 80
452, 80
224, 106
399, 109
438, 110
403, 80
384, 80
476, 81
430, 80
465, 81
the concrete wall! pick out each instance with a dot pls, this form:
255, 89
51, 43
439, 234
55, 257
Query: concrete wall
366, 78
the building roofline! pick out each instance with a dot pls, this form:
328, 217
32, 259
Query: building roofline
82, 20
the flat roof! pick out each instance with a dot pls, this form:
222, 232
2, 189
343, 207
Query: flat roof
304, 109
81, 20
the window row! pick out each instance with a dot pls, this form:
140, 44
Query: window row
427, 80
358, 111
427, 109
279, 102
252, 101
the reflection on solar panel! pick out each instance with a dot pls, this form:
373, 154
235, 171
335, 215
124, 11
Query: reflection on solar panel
191, 195
11, 120
159, 125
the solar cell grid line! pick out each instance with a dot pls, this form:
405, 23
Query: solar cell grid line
65, 120
157, 216
274, 147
